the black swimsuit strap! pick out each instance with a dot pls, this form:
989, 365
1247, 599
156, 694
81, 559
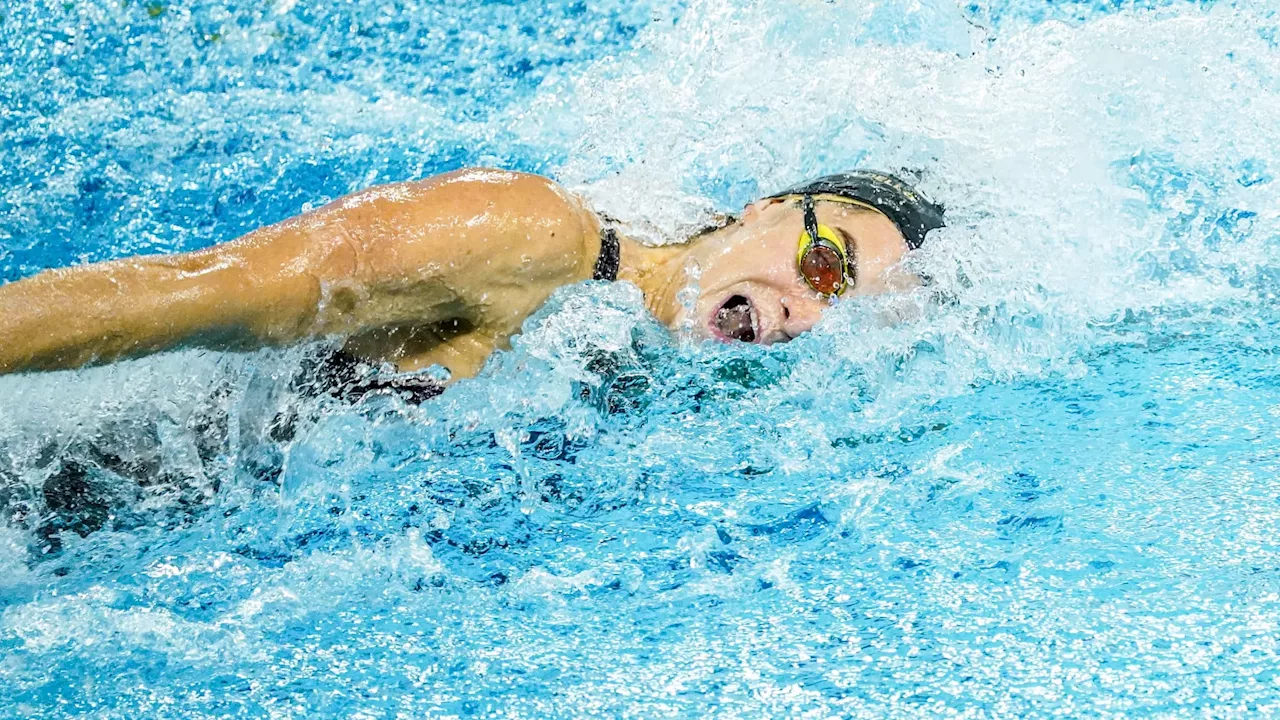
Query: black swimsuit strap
610, 256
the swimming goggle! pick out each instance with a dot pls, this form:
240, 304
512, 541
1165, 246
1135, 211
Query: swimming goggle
824, 260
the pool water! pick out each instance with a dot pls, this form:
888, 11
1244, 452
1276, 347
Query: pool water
1047, 485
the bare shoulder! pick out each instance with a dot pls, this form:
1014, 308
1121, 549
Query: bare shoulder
545, 219
485, 188
498, 216
481, 246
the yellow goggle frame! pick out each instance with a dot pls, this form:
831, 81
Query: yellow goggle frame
822, 253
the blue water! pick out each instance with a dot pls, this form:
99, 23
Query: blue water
1049, 485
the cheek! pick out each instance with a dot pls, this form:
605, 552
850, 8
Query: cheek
883, 271
694, 319
757, 261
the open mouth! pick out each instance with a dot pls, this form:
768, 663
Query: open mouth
736, 319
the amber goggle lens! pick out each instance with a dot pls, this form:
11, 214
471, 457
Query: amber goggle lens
823, 268
821, 257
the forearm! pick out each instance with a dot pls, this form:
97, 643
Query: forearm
258, 291
480, 247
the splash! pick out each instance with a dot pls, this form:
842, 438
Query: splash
1041, 486
1090, 170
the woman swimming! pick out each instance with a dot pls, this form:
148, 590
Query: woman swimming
409, 276
442, 272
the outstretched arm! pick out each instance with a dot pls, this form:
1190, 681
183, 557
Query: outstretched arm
257, 290
477, 245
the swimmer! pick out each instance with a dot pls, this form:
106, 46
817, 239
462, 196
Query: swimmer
443, 271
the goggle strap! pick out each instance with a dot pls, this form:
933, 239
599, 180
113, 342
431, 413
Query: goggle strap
810, 218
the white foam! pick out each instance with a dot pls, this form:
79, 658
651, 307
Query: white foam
1019, 134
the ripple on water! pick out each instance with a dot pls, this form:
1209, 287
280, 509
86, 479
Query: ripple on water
1049, 488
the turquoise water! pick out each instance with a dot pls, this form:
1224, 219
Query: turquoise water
1047, 486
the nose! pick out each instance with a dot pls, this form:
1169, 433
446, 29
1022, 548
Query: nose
800, 314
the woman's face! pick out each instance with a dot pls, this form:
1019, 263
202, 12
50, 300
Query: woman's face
751, 290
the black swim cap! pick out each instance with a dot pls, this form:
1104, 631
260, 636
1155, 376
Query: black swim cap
914, 214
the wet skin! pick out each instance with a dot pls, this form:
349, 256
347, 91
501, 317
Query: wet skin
436, 272
750, 268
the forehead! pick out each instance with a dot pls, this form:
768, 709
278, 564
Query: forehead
832, 207
844, 204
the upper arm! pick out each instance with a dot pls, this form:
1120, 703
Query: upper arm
487, 246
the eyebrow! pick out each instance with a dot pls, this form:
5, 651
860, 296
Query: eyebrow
852, 246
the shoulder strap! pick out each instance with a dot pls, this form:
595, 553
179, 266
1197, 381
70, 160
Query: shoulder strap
610, 256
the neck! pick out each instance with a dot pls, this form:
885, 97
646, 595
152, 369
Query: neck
659, 272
